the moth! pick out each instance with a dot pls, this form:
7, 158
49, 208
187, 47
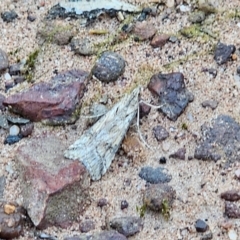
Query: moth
97, 146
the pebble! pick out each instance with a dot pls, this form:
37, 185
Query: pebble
128, 226
223, 52
179, 154
82, 46
173, 39
206, 6
3, 60
155, 175
156, 195
86, 226
26, 129
15, 69
3, 122
102, 202
232, 210
197, 17
163, 160
159, 40
231, 195
201, 226
144, 30
14, 130
237, 173
9, 16
232, 234
144, 109
160, 133
124, 204
238, 70
2, 185
109, 67
12, 139
184, 8
31, 18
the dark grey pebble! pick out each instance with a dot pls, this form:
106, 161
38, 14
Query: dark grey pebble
128, 226
9, 16
232, 210
31, 18
26, 129
12, 139
201, 226
238, 70
160, 133
124, 204
223, 52
109, 67
162, 160
45, 236
155, 175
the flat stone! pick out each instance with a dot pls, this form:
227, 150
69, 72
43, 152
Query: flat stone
11, 222
231, 195
223, 52
173, 96
160, 133
155, 175
109, 67
54, 189
197, 17
159, 40
220, 140
82, 46
105, 235
86, 226
56, 101
128, 226
144, 30
232, 210
3, 60
156, 195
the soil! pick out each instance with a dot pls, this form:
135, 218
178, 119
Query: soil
198, 184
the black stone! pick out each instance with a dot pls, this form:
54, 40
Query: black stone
201, 226
163, 160
102, 202
124, 204
9, 16
223, 52
155, 175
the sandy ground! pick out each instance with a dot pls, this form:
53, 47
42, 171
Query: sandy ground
193, 201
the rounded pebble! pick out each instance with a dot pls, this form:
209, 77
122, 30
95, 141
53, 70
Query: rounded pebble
109, 67
14, 130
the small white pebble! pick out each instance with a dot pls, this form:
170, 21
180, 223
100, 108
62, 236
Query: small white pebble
237, 173
184, 8
7, 76
14, 130
232, 234
238, 24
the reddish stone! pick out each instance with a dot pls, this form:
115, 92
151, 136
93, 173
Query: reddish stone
159, 40
55, 101
144, 109
54, 189
231, 195
144, 30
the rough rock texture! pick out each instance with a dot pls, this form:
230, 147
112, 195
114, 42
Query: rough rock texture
173, 96
155, 175
82, 46
105, 235
179, 154
3, 60
56, 101
55, 190
9, 16
11, 220
159, 196
127, 226
109, 67
86, 226
220, 140
223, 52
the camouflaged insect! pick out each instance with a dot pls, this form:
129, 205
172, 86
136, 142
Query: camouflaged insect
97, 147
89, 9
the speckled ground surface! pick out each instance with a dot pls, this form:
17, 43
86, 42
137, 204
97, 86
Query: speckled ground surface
198, 184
